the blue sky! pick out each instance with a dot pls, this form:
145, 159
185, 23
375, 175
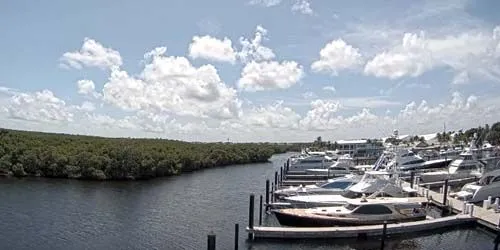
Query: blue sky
249, 70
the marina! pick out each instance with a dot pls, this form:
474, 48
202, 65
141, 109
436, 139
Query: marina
453, 211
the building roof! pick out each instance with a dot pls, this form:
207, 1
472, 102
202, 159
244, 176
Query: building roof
351, 141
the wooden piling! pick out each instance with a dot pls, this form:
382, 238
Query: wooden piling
445, 191
250, 215
211, 242
275, 178
384, 232
260, 211
272, 192
267, 193
281, 175
412, 179
236, 234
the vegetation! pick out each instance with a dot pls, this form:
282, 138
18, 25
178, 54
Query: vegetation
25, 153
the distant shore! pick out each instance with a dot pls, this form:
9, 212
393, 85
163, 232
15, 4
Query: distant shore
24, 153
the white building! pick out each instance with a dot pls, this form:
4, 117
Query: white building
360, 148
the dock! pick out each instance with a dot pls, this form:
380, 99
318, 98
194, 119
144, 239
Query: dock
357, 231
455, 212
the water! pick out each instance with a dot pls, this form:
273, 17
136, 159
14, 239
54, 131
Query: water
168, 213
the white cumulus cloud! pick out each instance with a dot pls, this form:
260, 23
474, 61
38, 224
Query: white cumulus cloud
211, 48
258, 76
253, 50
336, 56
302, 6
473, 52
40, 106
92, 54
172, 84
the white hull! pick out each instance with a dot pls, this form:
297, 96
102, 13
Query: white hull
443, 175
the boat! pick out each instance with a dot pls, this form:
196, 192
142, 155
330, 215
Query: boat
331, 186
487, 186
354, 213
343, 166
464, 166
373, 183
311, 160
407, 160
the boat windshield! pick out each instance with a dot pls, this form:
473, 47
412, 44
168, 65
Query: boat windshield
350, 206
351, 195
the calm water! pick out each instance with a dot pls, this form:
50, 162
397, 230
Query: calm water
170, 213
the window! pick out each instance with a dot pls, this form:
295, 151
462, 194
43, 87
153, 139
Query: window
351, 195
373, 209
496, 179
340, 185
414, 162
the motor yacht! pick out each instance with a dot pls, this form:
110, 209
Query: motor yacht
332, 186
464, 166
355, 212
488, 185
373, 183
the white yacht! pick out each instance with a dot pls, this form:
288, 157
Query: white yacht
406, 160
331, 186
465, 166
343, 166
488, 185
354, 213
312, 160
373, 183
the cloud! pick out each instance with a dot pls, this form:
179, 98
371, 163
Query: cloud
367, 102
172, 84
265, 3
302, 6
330, 88
308, 95
211, 48
87, 88
92, 54
336, 56
461, 78
258, 76
253, 50
86, 106
470, 51
41, 106
272, 116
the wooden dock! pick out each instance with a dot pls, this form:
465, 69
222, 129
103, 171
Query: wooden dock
357, 231
486, 217
450, 182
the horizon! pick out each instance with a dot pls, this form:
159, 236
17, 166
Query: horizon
249, 70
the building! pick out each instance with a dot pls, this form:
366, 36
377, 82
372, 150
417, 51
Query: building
360, 148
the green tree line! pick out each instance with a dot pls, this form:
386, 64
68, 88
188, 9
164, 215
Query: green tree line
24, 153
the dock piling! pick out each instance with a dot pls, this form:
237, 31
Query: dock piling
281, 175
445, 191
267, 193
272, 192
275, 178
384, 232
412, 179
236, 235
211, 242
260, 211
250, 215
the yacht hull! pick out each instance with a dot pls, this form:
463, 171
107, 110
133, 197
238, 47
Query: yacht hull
294, 220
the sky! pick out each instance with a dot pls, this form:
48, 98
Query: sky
249, 70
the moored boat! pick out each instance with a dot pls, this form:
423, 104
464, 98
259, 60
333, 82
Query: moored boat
355, 212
